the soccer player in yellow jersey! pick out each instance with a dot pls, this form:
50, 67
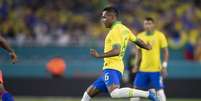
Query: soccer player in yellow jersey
148, 62
5, 95
114, 50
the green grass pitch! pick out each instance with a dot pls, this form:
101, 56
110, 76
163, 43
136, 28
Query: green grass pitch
78, 99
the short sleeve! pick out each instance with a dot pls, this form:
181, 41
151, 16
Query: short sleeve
132, 37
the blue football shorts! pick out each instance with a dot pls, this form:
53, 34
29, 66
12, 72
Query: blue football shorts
108, 78
148, 80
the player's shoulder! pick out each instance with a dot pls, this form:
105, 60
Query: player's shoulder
119, 28
116, 28
159, 32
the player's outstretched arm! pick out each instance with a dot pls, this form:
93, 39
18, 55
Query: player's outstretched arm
141, 44
5, 45
114, 52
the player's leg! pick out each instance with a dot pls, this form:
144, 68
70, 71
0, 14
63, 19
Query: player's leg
112, 81
97, 87
152, 90
160, 92
161, 95
5, 95
157, 83
132, 82
89, 93
140, 82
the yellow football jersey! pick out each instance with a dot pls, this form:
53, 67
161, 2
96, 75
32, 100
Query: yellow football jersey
151, 58
118, 34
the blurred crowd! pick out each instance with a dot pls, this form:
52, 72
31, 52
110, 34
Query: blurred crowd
46, 22
77, 22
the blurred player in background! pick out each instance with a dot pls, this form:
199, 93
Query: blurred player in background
131, 64
5, 95
148, 62
197, 54
128, 74
115, 45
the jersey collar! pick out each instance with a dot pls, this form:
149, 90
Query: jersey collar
152, 33
115, 23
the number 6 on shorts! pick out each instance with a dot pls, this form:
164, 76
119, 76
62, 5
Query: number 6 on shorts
106, 76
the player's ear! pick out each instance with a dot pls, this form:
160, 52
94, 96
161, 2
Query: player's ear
113, 16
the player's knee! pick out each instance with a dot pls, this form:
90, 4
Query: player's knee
115, 93
91, 91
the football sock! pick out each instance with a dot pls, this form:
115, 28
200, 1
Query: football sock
86, 97
161, 95
128, 92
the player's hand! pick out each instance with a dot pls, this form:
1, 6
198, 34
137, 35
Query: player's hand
134, 70
164, 72
13, 57
94, 53
149, 47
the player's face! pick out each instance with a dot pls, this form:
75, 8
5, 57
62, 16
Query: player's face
107, 19
148, 25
